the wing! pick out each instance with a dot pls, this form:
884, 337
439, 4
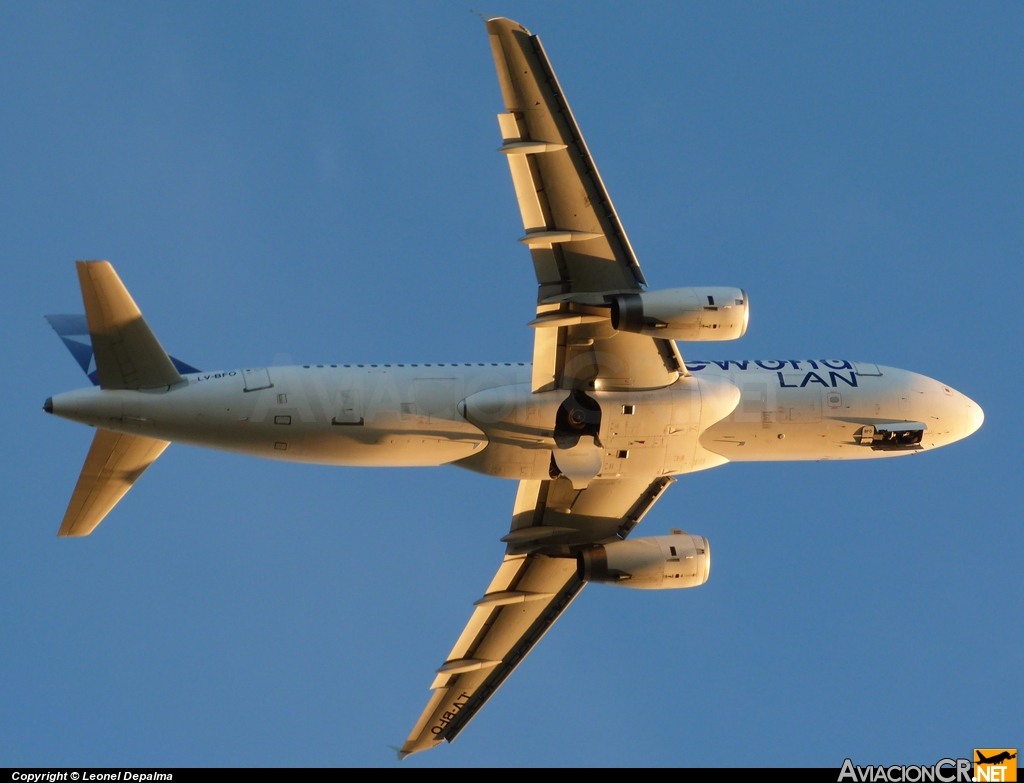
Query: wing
575, 237
581, 257
535, 583
580, 251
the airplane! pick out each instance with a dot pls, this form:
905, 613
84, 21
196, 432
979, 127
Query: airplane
595, 429
999, 758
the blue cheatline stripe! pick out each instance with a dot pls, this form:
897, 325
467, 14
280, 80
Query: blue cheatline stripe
73, 331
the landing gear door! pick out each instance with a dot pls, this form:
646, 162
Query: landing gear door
256, 379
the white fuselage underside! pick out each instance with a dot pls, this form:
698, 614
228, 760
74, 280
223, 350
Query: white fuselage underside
485, 418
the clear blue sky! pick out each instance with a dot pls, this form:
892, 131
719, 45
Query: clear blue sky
317, 182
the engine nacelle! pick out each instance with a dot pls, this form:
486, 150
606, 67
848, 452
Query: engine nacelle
695, 314
657, 563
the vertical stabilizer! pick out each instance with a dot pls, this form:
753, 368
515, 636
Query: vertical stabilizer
73, 331
128, 355
114, 462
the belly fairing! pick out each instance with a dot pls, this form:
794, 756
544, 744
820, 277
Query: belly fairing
642, 433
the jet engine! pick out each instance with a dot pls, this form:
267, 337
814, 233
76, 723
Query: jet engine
656, 563
695, 314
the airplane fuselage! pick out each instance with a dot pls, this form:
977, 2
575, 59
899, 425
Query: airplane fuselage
592, 431
484, 417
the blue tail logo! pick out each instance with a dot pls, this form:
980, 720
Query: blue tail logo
73, 331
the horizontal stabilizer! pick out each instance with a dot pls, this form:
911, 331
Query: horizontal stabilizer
115, 461
128, 355
73, 331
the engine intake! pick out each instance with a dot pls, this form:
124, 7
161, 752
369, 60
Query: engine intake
694, 314
656, 563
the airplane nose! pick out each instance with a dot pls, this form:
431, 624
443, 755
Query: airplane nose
975, 417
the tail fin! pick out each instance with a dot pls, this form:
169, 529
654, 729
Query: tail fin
73, 331
114, 462
128, 355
